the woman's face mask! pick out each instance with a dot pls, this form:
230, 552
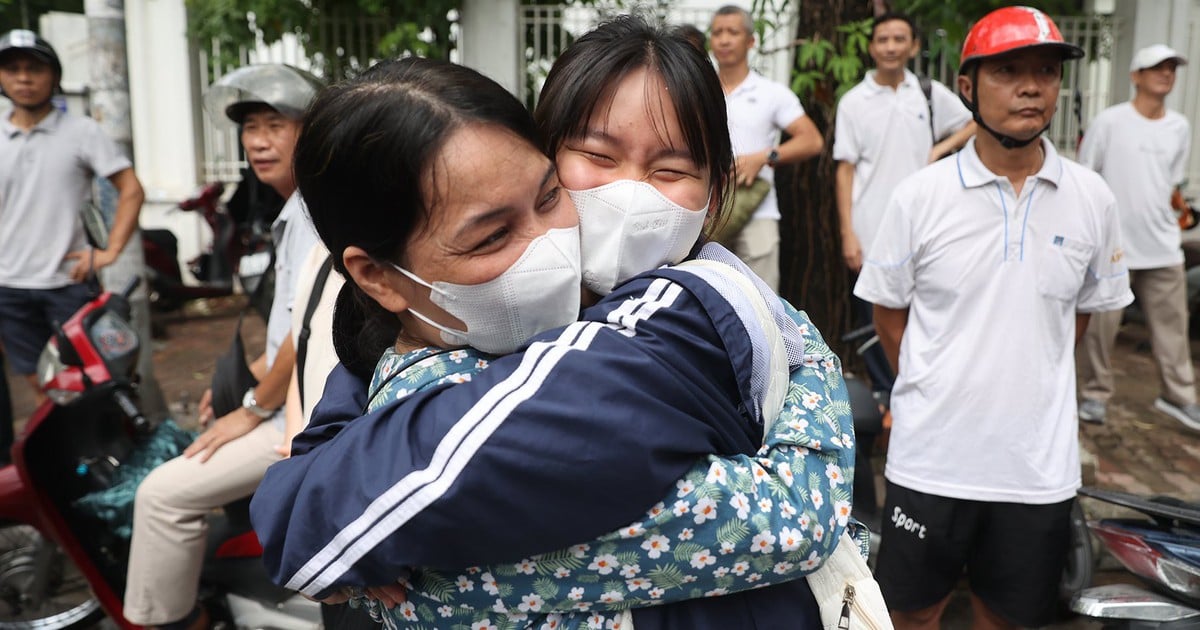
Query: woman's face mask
539, 292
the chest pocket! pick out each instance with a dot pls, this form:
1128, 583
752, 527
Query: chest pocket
1063, 268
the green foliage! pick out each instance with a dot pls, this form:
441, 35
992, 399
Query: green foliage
388, 27
823, 63
944, 25
683, 551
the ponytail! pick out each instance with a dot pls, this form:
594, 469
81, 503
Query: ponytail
362, 330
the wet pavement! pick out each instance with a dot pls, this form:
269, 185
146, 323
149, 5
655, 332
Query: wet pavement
1137, 450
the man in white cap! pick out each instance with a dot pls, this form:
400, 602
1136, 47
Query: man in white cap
1141, 149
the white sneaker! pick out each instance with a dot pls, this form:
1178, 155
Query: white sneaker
1188, 414
1092, 410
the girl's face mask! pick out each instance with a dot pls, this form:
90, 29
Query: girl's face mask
628, 227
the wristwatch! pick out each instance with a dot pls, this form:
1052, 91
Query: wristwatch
249, 403
773, 158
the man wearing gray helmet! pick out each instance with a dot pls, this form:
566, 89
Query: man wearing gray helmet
227, 461
48, 159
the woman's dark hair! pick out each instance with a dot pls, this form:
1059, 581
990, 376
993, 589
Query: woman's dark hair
589, 70
361, 157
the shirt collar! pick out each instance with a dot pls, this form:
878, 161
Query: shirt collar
49, 124
747, 84
910, 81
972, 173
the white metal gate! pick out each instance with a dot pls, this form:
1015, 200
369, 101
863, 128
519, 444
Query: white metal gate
547, 29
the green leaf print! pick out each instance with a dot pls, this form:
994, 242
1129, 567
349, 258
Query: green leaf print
778, 490
733, 532
548, 563
708, 491
629, 557
741, 483
666, 577
761, 522
683, 551
762, 564
436, 586
614, 585
587, 578
546, 588
505, 589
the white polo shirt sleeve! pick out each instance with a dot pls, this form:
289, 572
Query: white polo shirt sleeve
846, 147
787, 106
1106, 283
888, 274
949, 113
101, 152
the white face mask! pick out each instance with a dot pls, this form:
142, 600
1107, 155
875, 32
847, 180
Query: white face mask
538, 293
628, 227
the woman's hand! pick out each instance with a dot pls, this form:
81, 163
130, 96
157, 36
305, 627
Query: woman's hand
390, 595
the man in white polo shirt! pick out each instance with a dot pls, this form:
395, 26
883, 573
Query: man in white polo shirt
982, 274
887, 130
758, 110
1141, 150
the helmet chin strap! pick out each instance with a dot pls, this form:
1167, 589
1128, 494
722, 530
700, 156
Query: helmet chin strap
1008, 142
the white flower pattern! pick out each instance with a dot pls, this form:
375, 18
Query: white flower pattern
791, 486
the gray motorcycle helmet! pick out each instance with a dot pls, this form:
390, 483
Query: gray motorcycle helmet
28, 42
286, 89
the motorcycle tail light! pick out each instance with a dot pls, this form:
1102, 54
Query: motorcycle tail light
1145, 559
1129, 548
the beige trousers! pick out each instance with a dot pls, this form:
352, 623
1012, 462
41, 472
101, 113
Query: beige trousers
169, 527
1162, 295
758, 246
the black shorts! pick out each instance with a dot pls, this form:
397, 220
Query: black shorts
1014, 554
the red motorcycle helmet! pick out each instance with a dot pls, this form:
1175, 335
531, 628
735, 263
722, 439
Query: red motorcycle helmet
1013, 28
1003, 31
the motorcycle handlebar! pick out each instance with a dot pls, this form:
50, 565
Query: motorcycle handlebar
140, 424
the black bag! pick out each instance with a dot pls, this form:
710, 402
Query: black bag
232, 376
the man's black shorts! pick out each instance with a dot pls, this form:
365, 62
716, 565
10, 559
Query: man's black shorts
1013, 553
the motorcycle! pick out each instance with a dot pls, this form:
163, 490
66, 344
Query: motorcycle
63, 562
1163, 550
239, 248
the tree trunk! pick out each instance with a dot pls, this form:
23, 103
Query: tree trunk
813, 276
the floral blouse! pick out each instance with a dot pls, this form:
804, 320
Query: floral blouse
733, 522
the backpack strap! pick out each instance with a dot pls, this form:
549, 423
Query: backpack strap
314, 299
927, 90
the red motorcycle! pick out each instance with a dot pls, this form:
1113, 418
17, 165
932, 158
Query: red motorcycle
239, 248
62, 560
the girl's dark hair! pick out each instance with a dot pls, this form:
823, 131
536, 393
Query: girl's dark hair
591, 68
359, 162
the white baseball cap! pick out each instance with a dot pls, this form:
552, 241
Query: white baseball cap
1151, 56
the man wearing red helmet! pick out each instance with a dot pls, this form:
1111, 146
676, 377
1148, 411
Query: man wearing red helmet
983, 275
